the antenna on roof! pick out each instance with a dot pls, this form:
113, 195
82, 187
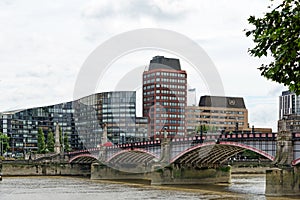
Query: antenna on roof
145, 67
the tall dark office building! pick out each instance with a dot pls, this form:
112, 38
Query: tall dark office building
165, 97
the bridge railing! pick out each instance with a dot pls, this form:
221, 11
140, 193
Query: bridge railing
192, 140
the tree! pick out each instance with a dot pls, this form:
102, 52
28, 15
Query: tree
4, 143
66, 143
41, 141
50, 141
277, 34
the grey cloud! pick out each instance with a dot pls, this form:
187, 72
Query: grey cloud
36, 72
136, 9
276, 91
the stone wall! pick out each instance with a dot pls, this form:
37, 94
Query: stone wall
283, 182
47, 169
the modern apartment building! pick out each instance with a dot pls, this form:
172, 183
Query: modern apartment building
115, 109
22, 125
81, 120
289, 103
165, 97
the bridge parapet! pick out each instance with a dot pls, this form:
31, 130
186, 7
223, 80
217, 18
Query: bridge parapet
168, 152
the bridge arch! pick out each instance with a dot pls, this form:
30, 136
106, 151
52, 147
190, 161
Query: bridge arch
83, 158
214, 153
258, 151
132, 155
296, 162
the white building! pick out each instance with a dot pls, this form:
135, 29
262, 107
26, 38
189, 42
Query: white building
289, 103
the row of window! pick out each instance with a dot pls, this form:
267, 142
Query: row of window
168, 86
127, 104
220, 122
163, 74
224, 112
118, 115
174, 92
171, 98
169, 121
166, 115
117, 110
170, 128
215, 117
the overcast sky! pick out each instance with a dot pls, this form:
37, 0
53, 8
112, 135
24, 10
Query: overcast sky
43, 45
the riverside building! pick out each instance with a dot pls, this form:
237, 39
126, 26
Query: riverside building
289, 104
219, 113
165, 97
81, 121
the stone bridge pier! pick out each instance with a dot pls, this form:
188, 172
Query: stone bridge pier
283, 180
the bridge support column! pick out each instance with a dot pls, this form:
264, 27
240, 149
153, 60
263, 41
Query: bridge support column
165, 176
187, 176
283, 182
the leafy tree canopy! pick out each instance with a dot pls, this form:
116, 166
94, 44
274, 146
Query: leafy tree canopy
278, 34
4, 141
50, 141
41, 141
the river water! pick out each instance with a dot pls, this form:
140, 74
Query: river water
66, 188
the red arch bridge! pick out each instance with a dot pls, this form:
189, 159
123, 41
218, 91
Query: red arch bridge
207, 151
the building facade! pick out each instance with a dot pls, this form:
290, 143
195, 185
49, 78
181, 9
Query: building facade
289, 103
218, 113
21, 126
115, 109
80, 120
165, 97
289, 123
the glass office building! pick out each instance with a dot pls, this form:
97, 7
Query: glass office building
21, 126
81, 120
115, 109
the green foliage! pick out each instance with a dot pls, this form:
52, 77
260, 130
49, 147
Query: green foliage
225, 169
278, 34
41, 141
66, 143
205, 128
50, 142
4, 140
250, 154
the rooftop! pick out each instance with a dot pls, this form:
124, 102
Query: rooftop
160, 62
224, 102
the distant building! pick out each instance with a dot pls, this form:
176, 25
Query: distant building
191, 97
81, 120
289, 123
115, 109
222, 113
141, 128
22, 126
165, 97
289, 103
218, 113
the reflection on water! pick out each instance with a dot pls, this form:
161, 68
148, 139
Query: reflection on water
64, 188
